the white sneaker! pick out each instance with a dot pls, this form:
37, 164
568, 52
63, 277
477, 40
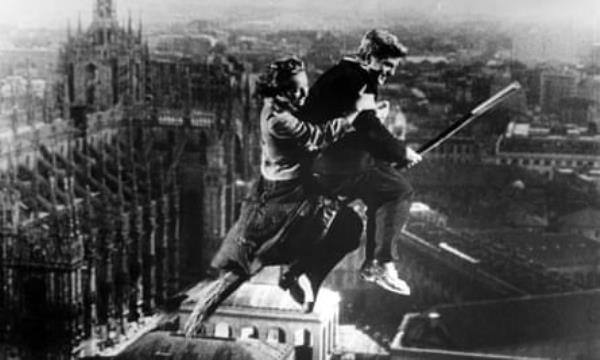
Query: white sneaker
388, 279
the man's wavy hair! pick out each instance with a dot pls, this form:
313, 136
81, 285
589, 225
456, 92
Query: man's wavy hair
276, 80
380, 44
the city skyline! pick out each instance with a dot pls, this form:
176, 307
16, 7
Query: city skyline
45, 14
128, 156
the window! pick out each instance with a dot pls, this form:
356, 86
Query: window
248, 332
276, 336
302, 337
579, 278
223, 330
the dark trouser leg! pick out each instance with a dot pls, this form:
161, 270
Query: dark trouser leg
371, 243
390, 218
387, 195
342, 238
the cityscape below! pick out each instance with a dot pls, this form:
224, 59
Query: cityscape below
130, 139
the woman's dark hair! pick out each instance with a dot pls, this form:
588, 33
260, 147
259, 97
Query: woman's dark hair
277, 77
380, 44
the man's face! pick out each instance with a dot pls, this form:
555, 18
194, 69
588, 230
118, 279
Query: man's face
299, 89
383, 68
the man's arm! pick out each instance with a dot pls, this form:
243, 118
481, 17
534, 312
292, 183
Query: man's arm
380, 142
310, 136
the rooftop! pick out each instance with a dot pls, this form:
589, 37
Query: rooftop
580, 145
554, 326
588, 217
352, 340
516, 270
550, 249
265, 294
159, 345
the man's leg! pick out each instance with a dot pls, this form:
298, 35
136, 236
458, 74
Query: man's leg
370, 244
390, 219
388, 197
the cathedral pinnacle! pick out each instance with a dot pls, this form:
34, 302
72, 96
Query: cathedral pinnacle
104, 10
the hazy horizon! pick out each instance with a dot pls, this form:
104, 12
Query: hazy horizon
51, 14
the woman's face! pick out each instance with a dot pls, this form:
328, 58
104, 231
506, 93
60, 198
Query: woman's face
298, 89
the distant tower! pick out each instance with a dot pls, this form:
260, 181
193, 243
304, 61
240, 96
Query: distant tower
104, 12
104, 22
104, 64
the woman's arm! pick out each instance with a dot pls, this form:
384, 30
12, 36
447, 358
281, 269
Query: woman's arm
284, 125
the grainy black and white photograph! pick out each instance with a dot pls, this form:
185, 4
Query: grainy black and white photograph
299, 179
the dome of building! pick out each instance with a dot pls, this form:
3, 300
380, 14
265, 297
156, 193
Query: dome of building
163, 345
266, 296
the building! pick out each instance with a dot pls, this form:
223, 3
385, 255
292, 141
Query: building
261, 310
556, 86
570, 254
259, 321
589, 89
106, 64
163, 345
584, 222
577, 111
553, 326
458, 149
100, 192
548, 153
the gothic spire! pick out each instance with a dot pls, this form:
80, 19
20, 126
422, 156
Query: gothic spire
129, 23
140, 28
104, 12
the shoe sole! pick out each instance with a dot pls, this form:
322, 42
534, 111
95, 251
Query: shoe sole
368, 278
385, 286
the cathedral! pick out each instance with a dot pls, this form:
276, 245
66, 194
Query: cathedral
118, 187
115, 198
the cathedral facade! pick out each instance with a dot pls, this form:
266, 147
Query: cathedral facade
118, 197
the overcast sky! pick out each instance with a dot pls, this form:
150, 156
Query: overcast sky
54, 13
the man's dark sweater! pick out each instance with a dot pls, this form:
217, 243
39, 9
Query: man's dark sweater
335, 94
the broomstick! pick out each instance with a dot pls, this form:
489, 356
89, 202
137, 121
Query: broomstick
477, 112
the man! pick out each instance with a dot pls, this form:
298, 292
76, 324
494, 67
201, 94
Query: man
363, 164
